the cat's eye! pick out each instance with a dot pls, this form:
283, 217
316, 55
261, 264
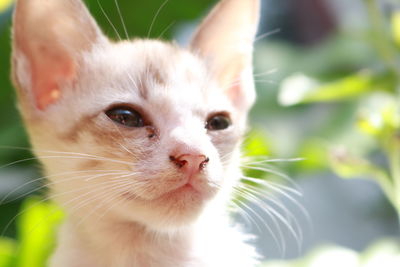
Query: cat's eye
218, 122
125, 116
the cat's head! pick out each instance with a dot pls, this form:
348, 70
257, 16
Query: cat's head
141, 130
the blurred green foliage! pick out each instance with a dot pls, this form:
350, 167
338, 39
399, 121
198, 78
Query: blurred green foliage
375, 92
37, 225
384, 253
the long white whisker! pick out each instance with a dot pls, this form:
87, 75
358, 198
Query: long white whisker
111, 185
251, 160
103, 173
57, 195
281, 244
122, 19
262, 36
109, 21
272, 185
265, 73
166, 29
155, 17
277, 173
257, 198
284, 221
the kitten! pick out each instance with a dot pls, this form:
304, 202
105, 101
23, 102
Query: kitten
140, 139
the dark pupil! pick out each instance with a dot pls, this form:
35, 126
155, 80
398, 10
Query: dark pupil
218, 123
126, 117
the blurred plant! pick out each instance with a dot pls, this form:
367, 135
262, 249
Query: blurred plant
376, 92
4, 4
384, 253
36, 235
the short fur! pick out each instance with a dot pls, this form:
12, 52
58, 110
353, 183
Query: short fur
123, 197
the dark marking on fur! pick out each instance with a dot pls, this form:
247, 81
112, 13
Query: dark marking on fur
155, 73
152, 132
72, 135
152, 74
90, 164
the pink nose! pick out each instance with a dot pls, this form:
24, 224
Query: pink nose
189, 163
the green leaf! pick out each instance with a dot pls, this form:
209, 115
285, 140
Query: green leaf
396, 27
4, 5
299, 88
347, 165
256, 147
382, 253
256, 144
314, 153
379, 116
37, 226
8, 248
332, 256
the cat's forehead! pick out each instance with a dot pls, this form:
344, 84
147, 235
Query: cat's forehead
155, 73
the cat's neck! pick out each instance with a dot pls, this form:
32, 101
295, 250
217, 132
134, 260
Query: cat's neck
124, 244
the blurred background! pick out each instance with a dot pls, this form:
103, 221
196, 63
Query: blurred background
328, 83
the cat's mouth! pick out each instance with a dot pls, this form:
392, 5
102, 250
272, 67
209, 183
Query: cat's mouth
185, 190
193, 187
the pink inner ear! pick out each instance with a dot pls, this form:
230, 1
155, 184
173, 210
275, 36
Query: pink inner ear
230, 77
235, 93
51, 67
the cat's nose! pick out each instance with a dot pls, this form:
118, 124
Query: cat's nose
190, 163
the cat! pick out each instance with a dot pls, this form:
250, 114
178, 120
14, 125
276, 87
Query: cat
140, 138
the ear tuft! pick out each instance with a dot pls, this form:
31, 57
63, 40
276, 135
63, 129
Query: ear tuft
48, 38
225, 40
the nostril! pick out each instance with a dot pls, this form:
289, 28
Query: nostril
204, 163
178, 162
192, 163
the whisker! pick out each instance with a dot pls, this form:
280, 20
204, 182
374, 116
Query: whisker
104, 201
155, 17
60, 157
281, 243
258, 196
297, 236
272, 185
109, 21
275, 172
166, 29
292, 200
56, 195
121, 184
108, 172
265, 73
89, 156
264, 35
251, 160
122, 19
74, 199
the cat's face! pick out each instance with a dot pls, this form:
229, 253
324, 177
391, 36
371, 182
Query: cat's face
138, 130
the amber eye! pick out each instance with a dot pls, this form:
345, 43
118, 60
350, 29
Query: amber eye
218, 122
125, 116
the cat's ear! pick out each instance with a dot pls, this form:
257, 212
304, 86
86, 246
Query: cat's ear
225, 39
48, 39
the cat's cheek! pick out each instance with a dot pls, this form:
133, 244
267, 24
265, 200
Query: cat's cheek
226, 143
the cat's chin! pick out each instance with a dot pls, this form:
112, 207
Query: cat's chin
173, 210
